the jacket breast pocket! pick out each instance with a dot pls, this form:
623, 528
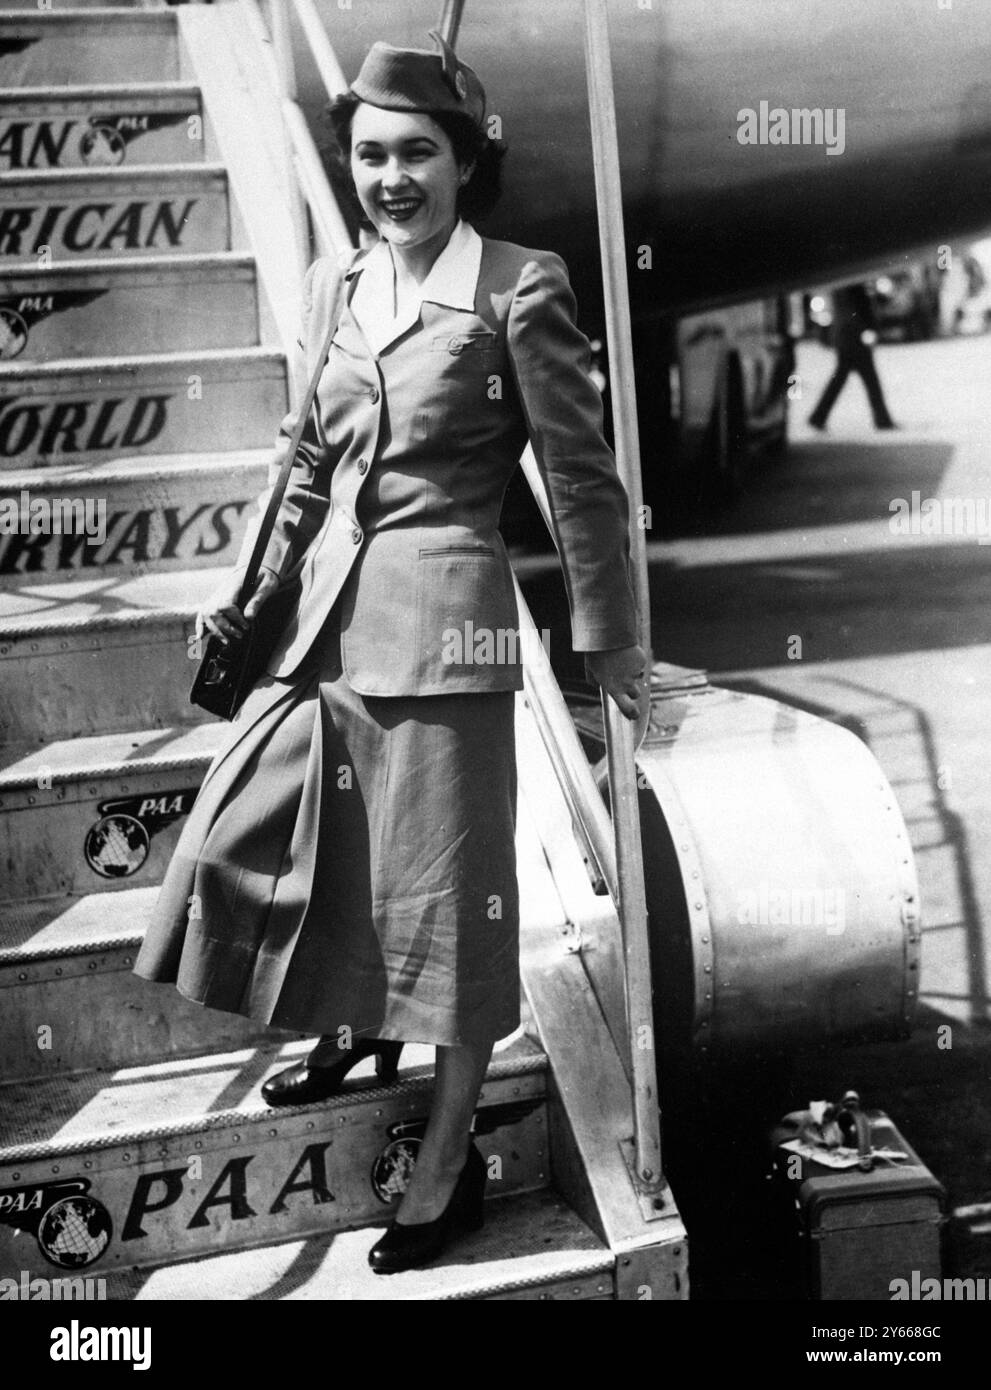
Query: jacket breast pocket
462, 375
474, 340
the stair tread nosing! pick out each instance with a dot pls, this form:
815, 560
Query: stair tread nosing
143, 468
110, 755
529, 1240
92, 13
60, 92
123, 607
154, 175
50, 928
80, 1111
231, 358
15, 275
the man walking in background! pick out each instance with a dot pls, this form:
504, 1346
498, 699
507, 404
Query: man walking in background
853, 333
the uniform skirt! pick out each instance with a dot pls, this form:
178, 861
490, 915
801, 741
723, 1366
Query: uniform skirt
350, 862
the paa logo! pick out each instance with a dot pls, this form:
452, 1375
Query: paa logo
394, 1164
118, 844
19, 315
105, 140
393, 1167
13, 333
71, 1228
102, 146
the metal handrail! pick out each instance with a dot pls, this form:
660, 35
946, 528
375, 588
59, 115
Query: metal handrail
330, 70
330, 230
621, 738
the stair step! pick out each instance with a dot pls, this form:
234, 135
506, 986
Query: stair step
532, 1246
170, 1160
94, 408
57, 953
71, 45
53, 948
177, 303
146, 209
98, 813
89, 5
164, 513
100, 126
103, 664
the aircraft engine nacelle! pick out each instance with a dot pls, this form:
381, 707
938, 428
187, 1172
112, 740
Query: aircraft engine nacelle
781, 885
719, 207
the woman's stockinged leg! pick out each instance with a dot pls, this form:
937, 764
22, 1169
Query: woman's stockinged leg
460, 1072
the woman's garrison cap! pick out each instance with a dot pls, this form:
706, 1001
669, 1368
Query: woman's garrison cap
413, 79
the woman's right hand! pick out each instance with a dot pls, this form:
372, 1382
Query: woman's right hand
220, 614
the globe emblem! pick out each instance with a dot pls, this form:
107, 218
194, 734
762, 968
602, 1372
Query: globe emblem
117, 846
102, 145
75, 1232
13, 333
393, 1169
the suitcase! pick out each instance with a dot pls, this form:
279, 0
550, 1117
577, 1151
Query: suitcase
858, 1229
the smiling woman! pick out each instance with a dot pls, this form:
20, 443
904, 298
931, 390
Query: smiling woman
472, 148
349, 866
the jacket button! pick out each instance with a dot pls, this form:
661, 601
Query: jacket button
356, 535
362, 465
374, 393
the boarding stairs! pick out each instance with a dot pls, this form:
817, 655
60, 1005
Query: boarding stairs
145, 308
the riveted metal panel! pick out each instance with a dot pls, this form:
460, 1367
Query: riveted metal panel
173, 403
93, 127
784, 898
72, 824
124, 305
652, 1272
38, 49
56, 1014
231, 1178
97, 680
126, 518
146, 210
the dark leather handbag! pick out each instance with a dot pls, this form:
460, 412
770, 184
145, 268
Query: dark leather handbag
228, 671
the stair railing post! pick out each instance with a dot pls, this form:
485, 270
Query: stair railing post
450, 21
279, 22
622, 738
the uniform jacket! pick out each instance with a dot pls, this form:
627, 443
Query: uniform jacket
393, 504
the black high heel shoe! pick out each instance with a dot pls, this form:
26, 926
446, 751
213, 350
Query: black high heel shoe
302, 1084
407, 1247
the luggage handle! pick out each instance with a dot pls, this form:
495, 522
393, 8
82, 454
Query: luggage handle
851, 1111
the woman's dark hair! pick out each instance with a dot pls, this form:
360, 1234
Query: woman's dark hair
470, 143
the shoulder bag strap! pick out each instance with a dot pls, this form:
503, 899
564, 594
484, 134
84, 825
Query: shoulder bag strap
282, 482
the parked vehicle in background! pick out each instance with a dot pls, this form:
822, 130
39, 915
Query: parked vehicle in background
712, 395
906, 300
729, 394
922, 298
970, 312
